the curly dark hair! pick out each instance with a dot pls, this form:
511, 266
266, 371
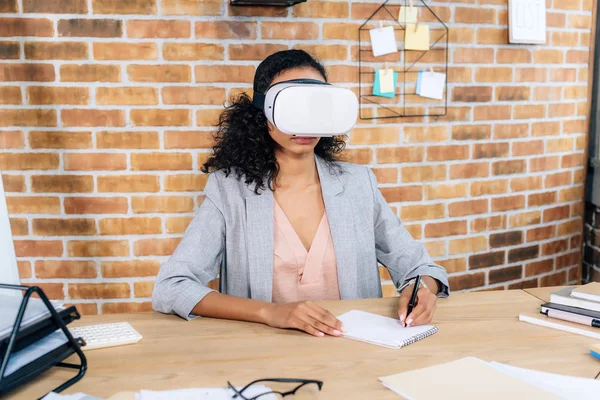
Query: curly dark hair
243, 144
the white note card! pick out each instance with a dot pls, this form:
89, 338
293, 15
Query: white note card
431, 85
383, 41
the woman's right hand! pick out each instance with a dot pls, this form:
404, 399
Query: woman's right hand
305, 316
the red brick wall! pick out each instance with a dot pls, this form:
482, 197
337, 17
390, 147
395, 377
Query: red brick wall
106, 112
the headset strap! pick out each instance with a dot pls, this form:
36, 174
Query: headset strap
258, 99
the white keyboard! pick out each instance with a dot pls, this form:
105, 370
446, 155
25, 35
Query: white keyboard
106, 335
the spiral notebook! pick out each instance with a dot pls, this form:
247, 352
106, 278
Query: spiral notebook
382, 331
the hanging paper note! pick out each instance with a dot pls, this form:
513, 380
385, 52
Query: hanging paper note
408, 15
382, 86
383, 41
431, 84
416, 37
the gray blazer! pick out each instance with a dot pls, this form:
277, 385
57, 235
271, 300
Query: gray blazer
233, 231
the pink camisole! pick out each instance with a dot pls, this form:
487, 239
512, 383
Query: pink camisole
298, 274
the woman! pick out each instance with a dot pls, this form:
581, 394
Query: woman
284, 224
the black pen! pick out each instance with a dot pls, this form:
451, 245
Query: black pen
413, 297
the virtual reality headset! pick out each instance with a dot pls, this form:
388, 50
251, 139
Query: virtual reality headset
307, 107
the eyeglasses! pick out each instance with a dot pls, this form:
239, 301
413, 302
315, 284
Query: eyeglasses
278, 389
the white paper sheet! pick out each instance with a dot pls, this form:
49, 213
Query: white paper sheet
383, 41
431, 85
203, 394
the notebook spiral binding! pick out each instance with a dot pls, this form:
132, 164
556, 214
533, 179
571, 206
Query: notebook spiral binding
420, 336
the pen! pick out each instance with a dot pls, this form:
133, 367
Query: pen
413, 297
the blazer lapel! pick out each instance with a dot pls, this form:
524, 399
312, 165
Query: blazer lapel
259, 238
339, 216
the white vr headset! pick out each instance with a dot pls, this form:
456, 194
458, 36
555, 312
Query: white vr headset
307, 107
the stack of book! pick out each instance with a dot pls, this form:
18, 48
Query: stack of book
572, 309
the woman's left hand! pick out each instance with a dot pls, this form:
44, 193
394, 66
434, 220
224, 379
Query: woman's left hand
423, 312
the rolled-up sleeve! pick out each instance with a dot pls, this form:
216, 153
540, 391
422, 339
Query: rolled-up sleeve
404, 257
182, 280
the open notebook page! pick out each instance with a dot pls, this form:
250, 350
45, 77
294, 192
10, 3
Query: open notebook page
382, 331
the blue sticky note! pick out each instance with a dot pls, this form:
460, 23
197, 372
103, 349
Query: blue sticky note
376, 91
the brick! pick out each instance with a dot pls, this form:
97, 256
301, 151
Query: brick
540, 199
177, 224
143, 289
492, 36
9, 50
578, 126
161, 161
436, 248
561, 110
446, 191
556, 213
41, 117
459, 74
98, 248
415, 134
229, 73
13, 183
505, 274
556, 279
94, 162
90, 117
513, 93
26, 27
549, 56
162, 204
404, 193
58, 95
193, 95
289, 30
60, 140
344, 73
569, 227
264, 11
64, 227
547, 93
526, 183
467, 245
99, 290
125, 51
484, 224
48, 269
573, 160
321, 9
422, 212
423, 173
361, 156
130, 95
476, 15
578, 56
160, 117
585, 39
19, 226
543, 163
155, 247
9, 6
56, 51
128, 183
510, 131
506, 239
386, 175
446, 153
400, 154
95, 205
563, 75
340, 30
470, 132
493, 74
38, 248
539, 267
124, 6
556, 19
28, 161
226, 29
127, 140
33, 205
538, 74
82, 27
508, 203
192, 7
487, 113
10, 95
559, 145
469, 207
453, 265
579, 22
90, 73
159, 73
523, 253
509, 167
189, 139
335, 52
130, 226
132, 268
484, 188
545, 128
56, 6
490, 150
472, 94
576, 92
461, 35
541, 233
528, 148
158, 29
12, 139
468, 171
529, 111
193, 51
473, 56
462, 282
525, 219
24, 269
126, 307
54, 291
513, 56
568, 260
443, 229
568, 39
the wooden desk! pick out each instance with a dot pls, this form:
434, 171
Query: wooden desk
543, 293
207, 353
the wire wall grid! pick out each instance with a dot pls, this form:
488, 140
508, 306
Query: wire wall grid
407, 63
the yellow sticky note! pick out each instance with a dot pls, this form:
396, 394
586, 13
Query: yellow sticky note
408, 15
416, 39
386, 81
